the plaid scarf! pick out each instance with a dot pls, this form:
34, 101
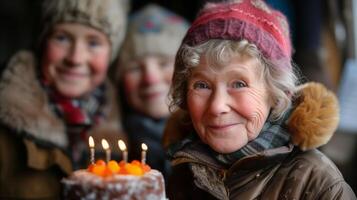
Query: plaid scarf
79, 115
273, 135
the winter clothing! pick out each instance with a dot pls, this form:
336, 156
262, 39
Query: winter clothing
283, 171
272, 135
153, 30
252, 20
34, 141
144, 129
78, 115
84, 111
108, 16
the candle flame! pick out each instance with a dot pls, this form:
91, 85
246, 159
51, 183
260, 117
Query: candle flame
122, 145
144, 146
91, 142
105, 144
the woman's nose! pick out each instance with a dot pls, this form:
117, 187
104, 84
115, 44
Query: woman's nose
151, 74
76, 55
219, 102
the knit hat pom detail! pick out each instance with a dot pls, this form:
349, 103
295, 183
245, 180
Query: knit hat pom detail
252, 20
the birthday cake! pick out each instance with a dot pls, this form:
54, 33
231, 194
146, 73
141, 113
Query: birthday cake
124, 181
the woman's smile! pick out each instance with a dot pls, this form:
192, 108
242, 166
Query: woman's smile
222, 127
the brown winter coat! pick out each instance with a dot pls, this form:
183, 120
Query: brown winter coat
289, 172
33, 138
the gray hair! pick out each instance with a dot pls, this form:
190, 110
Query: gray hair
281, 80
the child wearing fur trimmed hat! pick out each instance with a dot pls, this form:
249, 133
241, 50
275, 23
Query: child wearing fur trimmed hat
243, 128
51, 101
145, 68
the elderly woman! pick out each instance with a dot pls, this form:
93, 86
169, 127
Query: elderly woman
244, 129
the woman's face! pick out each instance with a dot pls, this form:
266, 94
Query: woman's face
76, 59
147, 82
228, 105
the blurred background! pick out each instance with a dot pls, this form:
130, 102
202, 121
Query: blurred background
324, 36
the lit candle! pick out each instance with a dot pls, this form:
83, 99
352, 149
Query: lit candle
106, 148
91, 147
144, 148
122, 147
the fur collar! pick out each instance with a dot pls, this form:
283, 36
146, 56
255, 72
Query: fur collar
24, 104
24, 107
311, 124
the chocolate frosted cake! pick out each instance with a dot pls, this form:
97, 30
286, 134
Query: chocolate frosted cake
86, 185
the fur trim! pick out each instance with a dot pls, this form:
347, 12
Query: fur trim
311, 124
24, 105
315, 117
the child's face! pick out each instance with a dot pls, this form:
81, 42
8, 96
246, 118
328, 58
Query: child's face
229, 105
146, 83
76, 58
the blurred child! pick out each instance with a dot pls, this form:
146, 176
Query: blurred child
52, 100
145, 70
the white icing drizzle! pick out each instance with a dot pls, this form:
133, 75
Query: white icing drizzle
87, 186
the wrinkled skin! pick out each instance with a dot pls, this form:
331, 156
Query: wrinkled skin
228, 105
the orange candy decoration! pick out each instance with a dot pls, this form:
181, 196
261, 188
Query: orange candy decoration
113, 166
136, 168
99, 168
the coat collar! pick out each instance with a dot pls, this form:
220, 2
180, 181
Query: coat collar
311, 124
24, 104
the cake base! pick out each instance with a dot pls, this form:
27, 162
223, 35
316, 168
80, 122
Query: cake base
87, 186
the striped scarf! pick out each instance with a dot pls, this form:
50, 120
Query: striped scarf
79, 115
83, 111
273, 134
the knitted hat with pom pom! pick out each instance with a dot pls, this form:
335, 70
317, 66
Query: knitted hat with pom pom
252, 20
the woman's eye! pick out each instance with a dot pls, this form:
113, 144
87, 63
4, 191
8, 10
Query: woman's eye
93, 43
200, 85
238, 84
61, 38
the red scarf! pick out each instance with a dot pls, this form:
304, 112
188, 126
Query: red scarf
79, 115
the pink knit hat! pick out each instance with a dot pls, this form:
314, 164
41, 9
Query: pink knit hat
252, 20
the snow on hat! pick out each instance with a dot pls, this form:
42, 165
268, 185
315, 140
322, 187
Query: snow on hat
153, 30
107, 16
252, 20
